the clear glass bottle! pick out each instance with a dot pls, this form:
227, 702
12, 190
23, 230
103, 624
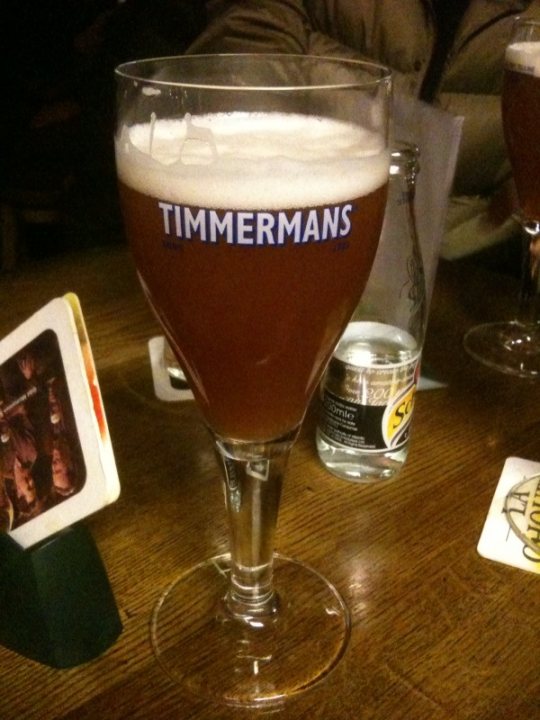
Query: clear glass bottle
367, 394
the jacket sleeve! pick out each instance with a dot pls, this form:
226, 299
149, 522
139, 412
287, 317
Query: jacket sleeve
482, 163
255, 26
279, 26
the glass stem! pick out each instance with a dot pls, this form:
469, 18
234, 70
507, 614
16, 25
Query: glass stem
253, 475
530, 273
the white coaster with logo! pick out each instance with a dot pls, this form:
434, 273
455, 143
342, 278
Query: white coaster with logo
499, 540
167, 386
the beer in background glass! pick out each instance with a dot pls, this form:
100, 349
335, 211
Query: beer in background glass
514, 347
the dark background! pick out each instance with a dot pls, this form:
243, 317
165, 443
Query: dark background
57, 119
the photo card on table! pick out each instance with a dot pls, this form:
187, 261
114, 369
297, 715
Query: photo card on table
56, 458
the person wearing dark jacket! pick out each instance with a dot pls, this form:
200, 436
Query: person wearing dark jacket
446, 52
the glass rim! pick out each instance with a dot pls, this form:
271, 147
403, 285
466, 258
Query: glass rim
131, 70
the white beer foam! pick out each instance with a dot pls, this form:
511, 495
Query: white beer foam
251, 160
524, 57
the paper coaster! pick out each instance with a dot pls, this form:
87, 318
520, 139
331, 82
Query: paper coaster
498, 540
163, 382
57, 464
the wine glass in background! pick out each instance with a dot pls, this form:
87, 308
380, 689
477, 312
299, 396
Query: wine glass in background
514, 347
253, 191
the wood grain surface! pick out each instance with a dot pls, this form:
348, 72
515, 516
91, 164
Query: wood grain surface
438, 632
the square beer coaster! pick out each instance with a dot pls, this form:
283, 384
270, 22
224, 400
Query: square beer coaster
499, 540
169, 381
56, 459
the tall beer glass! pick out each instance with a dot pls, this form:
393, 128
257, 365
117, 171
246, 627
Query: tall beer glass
514, 347
253, 190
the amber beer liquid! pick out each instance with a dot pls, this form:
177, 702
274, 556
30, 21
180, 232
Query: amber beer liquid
253, 252
521, 113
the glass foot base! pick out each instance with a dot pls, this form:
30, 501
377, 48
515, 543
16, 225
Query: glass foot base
510, 347
227, 661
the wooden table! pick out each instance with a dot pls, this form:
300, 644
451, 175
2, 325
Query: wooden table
438, 631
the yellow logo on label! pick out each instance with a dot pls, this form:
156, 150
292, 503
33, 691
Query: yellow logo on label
397, 417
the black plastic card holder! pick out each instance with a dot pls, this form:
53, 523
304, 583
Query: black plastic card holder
56, 603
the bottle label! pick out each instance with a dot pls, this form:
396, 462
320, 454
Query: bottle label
369, 409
